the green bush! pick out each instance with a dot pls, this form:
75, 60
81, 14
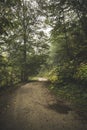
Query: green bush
53, 76
66, 72
61, 74
81, 73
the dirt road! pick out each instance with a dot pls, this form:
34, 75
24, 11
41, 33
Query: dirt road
33, 107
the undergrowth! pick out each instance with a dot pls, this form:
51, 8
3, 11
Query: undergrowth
74, 93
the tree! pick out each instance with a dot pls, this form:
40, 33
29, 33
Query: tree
7, 14
68, 37
22, 41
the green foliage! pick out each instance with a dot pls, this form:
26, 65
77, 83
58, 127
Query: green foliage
26, 46
66, 72
52, 75
34, 64
68, 38
3, 71
23, 46
73, 93
81, 73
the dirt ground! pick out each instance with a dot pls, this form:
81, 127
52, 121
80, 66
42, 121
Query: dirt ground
33, 107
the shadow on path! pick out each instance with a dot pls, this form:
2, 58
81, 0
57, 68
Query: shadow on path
60, 108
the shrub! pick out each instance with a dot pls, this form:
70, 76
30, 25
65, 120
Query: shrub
53, 76
81, 73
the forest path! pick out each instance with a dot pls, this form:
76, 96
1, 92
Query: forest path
33, 107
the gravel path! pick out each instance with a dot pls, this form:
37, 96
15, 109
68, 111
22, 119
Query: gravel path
33, 107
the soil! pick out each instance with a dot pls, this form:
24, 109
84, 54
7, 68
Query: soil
33, 107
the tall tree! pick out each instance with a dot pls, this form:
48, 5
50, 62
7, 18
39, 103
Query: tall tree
69, 40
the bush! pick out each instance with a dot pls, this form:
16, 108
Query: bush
81, 73
66, 72
53, 76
